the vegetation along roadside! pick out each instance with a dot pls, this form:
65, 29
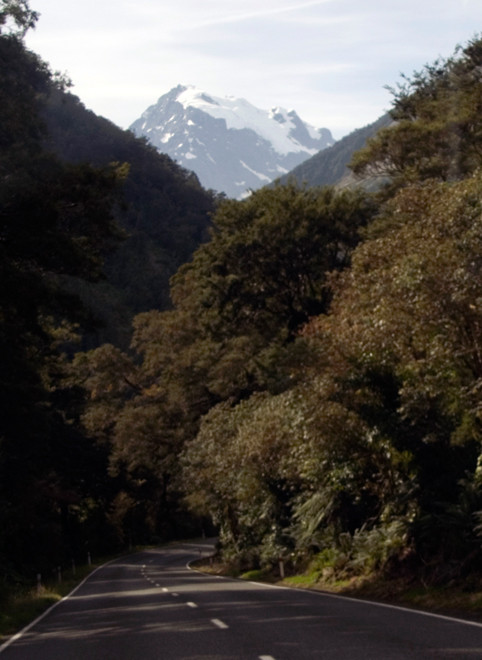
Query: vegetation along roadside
311, 384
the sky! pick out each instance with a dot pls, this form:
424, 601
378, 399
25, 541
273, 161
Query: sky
330, 60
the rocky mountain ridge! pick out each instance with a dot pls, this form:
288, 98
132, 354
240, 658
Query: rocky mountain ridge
330, 166
231, 145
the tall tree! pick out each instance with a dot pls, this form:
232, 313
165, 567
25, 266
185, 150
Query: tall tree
238, 307
263, 274
405, 348
16, 17
437, 131
54, 220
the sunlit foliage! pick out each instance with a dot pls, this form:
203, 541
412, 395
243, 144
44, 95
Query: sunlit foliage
437, 131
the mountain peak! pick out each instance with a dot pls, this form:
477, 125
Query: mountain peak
193, 96
231, 144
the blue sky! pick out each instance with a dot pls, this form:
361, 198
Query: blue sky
330, 60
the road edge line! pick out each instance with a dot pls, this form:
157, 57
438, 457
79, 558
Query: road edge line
24, 630
410, 610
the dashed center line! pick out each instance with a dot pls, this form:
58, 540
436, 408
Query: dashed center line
266, 657
165, 589
219, 623
191, 604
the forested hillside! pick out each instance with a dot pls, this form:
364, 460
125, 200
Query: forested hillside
165, 213
56, 221
331, 166
314, 390
93, 222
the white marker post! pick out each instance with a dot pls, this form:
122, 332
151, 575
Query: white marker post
281, 568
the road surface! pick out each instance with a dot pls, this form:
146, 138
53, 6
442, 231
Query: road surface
151, 606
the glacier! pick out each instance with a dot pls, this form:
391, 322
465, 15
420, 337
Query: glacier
231, 145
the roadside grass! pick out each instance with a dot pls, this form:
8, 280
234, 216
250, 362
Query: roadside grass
462, 599
259, 575
22, 604
303, 580
23, 607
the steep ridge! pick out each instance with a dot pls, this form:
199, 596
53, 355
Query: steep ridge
330, 166
165, 216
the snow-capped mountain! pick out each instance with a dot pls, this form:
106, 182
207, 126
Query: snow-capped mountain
231, 145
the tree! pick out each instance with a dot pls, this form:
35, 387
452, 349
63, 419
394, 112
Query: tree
16, 17
437, 132
263, 275
238, 307
268, 256
403, 339
238, 471
55, 220
373, 447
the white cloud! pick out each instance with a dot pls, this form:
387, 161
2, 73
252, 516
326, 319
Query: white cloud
329, 59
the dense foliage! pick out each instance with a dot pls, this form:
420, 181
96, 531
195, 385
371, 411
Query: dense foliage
437, 129
63, 215
238, 307
165, 214
315, 386
55, 220
330, 167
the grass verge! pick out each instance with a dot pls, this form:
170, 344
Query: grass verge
22, 604
461, 600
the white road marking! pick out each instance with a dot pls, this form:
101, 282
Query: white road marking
175, 595
219, 623
33, 623
400, 608
191, 604
266, 657
165, 589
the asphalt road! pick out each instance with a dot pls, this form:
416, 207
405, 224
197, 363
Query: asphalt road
151, 606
